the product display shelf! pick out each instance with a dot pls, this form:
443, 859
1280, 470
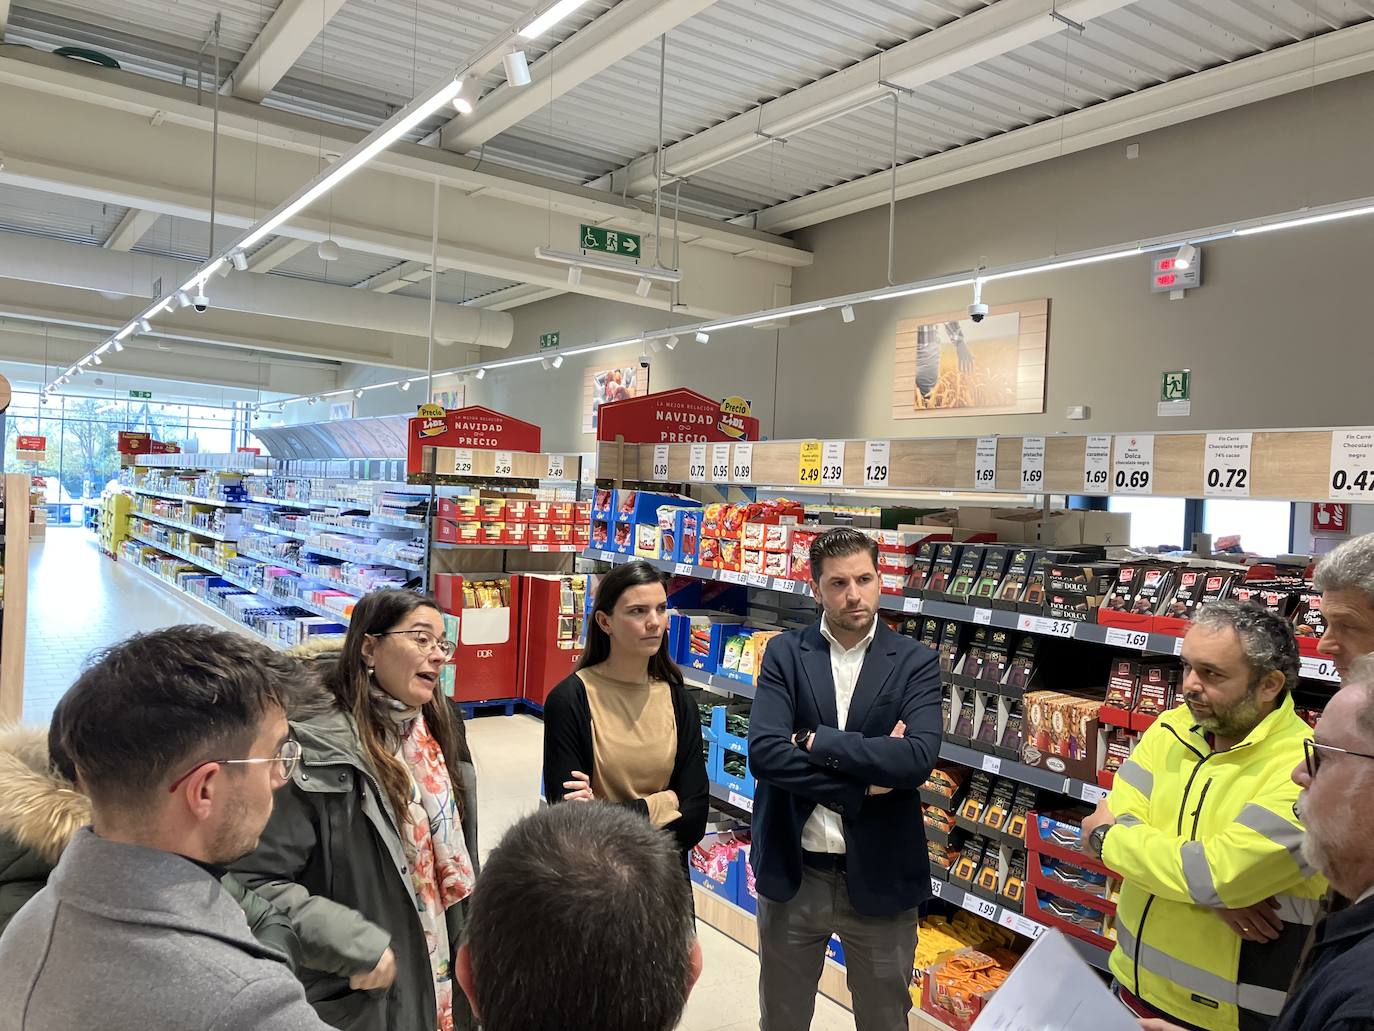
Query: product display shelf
352, 531
397, 521
375, 560
283, 502
278, 531
301, 571
719, 685
211, 534
200, 604
14, 563
496, 466
203, 563
535, 549
212, 502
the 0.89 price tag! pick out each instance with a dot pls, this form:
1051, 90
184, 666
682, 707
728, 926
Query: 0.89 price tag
720, 463
1135, 464
809, 464
660, 471
696, 464
1033, 465
985, 464
1352, 465
832, 463
1226, 466
742, 465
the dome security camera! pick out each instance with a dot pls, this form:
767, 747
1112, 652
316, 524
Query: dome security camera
201, 302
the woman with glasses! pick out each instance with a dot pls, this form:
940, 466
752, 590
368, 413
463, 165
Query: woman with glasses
623, 728
372, 847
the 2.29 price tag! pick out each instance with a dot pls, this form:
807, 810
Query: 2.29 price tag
462, 462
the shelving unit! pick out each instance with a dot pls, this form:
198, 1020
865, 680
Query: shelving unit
14, 516
188, 527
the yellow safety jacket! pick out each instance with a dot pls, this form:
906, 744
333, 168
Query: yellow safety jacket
1197, 831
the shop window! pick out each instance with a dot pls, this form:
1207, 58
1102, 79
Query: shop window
1155, 522
1258, 527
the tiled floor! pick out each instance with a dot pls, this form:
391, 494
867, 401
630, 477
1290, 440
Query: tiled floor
80, 601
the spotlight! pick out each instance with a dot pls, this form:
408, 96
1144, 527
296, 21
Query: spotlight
703, 338
405, 385
144, 326
558, 361
643, 287
655, 346
1186, 255
517, 68
574, 275
463, 100
847, 313
223, 269
671, 342
183, 299
240, 261
358, 393
96, 358
117, 345
547, 363
328, 250
313, 401
480, 374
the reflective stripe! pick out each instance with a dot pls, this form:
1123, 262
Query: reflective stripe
1295, 910
1265, 1001
1137, 777
1129, 820
1281, 832
1198, 873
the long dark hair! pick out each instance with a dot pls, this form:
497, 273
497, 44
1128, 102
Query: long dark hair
350, 685
608, 592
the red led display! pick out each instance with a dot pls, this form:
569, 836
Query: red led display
1165, 264
1168, 280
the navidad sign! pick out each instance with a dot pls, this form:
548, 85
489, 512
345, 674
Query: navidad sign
472, 427
675, 416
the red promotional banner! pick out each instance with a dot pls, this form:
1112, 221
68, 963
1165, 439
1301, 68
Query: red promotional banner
673, 417
250, 451
131, 443
23, 443
473, 427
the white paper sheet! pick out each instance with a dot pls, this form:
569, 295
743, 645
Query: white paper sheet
1054, 989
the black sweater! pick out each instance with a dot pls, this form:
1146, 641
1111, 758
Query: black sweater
568, 747
1335, 990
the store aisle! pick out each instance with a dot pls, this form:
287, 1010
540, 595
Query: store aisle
508, 752
80, 601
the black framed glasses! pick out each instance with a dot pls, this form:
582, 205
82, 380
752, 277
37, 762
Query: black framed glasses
286, 759
425, 641
1314, 753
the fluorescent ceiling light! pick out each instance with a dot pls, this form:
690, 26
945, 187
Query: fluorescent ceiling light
1309, 220
550, 18
894, 294
1070, 263
343, 169
754, 320
606, 263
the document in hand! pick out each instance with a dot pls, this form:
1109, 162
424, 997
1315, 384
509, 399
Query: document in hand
1053, 989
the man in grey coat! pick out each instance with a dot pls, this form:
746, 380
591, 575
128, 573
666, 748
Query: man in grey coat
179, 738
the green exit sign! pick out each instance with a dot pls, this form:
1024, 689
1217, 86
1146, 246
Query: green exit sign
608, 241
145, 395
1176, 385
548, 341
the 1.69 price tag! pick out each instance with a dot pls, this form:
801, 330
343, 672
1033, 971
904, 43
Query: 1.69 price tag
985, 464
1032, 464
1097, 465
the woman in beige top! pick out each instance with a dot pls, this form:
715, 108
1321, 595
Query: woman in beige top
622, 728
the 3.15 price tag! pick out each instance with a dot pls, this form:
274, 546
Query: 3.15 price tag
1352, 465
937, 887
1097, 465
742, 465
1226, 465
505, 463
660, 471
557, 469
1135, 464
462, 462
1033, 465
720, 463
832, 463
809, 464
877, 462
985, 464
696, 464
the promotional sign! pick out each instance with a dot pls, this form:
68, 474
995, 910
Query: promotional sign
679, 416
30, 449
733, 412
474, 427
604, 386
250, 451
1226, 472
1330, 517
132, 443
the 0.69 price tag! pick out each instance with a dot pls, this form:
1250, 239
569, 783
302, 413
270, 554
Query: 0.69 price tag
1135, 464
1352, 465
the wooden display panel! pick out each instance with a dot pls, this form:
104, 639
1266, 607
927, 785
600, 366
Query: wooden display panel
525, 465
16, 501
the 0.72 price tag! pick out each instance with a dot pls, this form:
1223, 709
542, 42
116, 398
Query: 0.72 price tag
696, 464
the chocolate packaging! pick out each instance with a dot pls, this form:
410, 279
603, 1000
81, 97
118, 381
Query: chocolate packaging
1063, 734
1156, 584
1013, 584
965, 574
1077, 591
1308, 620
990, 576
947, 557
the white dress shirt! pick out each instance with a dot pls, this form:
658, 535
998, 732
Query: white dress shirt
824, 832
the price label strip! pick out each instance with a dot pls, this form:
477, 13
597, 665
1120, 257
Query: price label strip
696, 464
1352, 465
985, 464
1226, 465
832, 463
1319, 669
684, 569
742, 465
877, 462
1097, 465
660, 470
1137, 639
720, 463
505, 463
462, 462
809, 464
1134, 459
1033, 465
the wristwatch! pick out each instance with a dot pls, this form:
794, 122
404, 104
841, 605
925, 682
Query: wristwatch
1097, 839
803, 738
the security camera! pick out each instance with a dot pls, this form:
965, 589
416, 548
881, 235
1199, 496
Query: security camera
644, 362
201, 302
978, 311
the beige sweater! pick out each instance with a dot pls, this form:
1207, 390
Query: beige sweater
634, 743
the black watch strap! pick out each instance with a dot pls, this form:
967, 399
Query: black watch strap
1098, 839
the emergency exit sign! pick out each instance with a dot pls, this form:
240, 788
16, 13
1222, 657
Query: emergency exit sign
608, 241
145, 395
548, 341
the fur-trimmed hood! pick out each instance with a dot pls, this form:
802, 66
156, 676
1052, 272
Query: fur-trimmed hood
39, 809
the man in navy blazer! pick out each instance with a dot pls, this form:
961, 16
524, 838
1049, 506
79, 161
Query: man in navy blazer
844, 731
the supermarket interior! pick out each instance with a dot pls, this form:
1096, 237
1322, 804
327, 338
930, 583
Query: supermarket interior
306, 300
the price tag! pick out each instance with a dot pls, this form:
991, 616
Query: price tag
786, 586
696, 464
742, 466
1226, 466
757, 580
911, 605
740, 802
980, 907
877, 462
983, 616
937, 887
809, 463
1352, 465
832, 463
1135, 464
1033, 465
731, 577
985, 464
1319, 669
660, 471
557, 468
462, 462
608, 556
1008, 920
505, 463
1028, 927
1178, 646
720, 463
1097, 465
992, 764
1055, 627
1128, 638
684, 569
1092, 794
1026, 624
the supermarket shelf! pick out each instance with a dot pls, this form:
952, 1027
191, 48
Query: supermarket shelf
211, 502
283, 502
301, 571
721, 794
720, 685
539, 549
376, 560
205, 564
211, 534
319, 610
352, 531
1022, 773
405, 524
199, 603
278, 531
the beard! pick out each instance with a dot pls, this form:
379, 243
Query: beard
1236, 720
238, 835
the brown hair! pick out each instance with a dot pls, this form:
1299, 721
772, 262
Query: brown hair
351, 686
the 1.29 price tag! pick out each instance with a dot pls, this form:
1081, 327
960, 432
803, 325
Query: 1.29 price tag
1352, 465
877, 462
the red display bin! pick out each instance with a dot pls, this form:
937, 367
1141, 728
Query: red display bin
545, 633
487, 662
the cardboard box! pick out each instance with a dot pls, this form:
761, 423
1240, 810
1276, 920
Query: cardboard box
1064, 735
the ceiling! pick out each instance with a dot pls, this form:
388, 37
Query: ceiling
742, 152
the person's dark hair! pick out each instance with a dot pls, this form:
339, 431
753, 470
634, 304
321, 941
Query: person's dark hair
1266, 639
351, 685
58, 757
149, 708
581, 921
838, 543
608, 592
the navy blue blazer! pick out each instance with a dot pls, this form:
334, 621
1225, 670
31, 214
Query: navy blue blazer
887, 867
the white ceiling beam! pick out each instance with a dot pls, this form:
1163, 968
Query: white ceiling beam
408, 273
279, 251
1292, 68
286, 36
132, 228
515, 297
613, 36
987, 33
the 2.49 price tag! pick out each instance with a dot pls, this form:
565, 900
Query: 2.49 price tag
809, 463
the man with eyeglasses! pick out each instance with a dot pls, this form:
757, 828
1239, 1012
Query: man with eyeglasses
1334, 990
179, 738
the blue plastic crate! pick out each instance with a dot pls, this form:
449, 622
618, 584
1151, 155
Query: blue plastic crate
727, 889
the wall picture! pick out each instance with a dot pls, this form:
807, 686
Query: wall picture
950, 365
606, 385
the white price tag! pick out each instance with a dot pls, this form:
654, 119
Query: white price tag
1319, 669
1033, 465
1054, 627
1097, 465
1128, 638
992, 764
1029, 927
684, 569
696, 464
660, 471
1026, 624
1092, 794
742, 466
505, 463
462, 462
557, 468
877, 462
720, 463
786, 586
757, 580
1352, 465
1178, 646
731, 577
937, 887
832, 463
1008, 920
608, 556
983, 616
985, 464
1226, 466
911, 605
740, 802
980, 907
1135, 464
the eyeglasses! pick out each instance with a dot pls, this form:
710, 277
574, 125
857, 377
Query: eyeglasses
287, 758
424, 640
1315, 754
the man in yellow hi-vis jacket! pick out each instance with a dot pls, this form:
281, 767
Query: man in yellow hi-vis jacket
1216, 899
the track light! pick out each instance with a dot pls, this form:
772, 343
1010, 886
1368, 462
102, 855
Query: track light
574, 275
643, 287
144, 326
558, 361
405, 385
847, 313
117, 345
517, 68
703, 338
655, 346
240, 261
608, 263
313, 401
358, 393
480, 374
671, 342
1187, 254
96, 358
547, 363
183, 299
328, 250
223, 269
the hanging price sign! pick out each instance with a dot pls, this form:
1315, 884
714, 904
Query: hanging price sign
809, 463
696, 464
1097, 465
505, 463
985, 464
832, 463
1033, 465
720, 463
1135, 464
877, 462
557, 468
1352, 465
742, 465
660, 471
462, 462
1226, 466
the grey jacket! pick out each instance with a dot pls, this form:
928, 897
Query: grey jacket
125, 938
